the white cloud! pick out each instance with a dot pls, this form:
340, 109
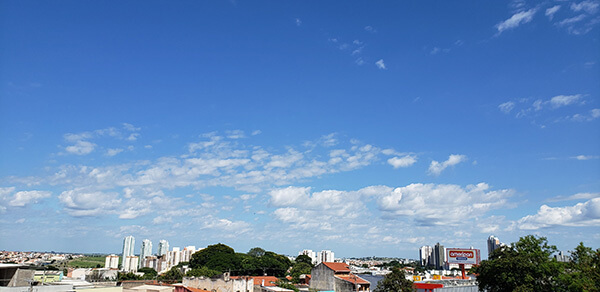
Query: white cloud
572, 20
564, 100
20, 199
298, 22
430, 204
586, 157
550, 11
516, 20
404, 161
80, 202
436, 167
289, 196
506, 107
380, 64
113, 152
81, 148
578, 196
581, 214
235, 134
593, 114
370, 29
359, 61
590, 7
130, 127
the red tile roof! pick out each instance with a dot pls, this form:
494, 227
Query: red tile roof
196, 289
258, 280
353, 279
337, 267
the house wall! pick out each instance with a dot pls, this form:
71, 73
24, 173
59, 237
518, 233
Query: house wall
322, 278
223, 284
343, 286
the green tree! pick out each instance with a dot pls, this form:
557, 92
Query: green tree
149, 273
395, 282
304, 259
128, 276
256, 252
218, 257
286, 285
202, 272
172, 275
524, 266
298, 269
583, 271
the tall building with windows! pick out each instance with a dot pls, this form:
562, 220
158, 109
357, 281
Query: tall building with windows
493, 243
439, 256
326, 256
131, 264
163, 247
425, 253
128, 247
146, 251
111, 262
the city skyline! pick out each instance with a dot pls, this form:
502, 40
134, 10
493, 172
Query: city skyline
369, 129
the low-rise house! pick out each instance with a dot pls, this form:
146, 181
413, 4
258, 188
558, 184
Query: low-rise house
223, 283
328, 276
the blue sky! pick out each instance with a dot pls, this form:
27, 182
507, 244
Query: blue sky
365, 128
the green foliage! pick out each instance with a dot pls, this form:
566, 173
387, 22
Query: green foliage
304, 259
128, 276
524, 266
222, 258
286, 285
256, 252
149, 273
202, 272
395, 282
583, 272
218, 257
298, 269
172, 275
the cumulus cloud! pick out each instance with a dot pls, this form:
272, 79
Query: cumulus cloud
113, 152
81, 148
380, 64
564, 100
79, 202
436, 168
581, 214
430, 204
590, 116
550, 11
289, 196
404, 161
516, 19
20, 199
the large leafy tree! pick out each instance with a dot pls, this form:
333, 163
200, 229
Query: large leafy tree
583, 271
218, 257
172, 275
395, 282
304, 259
256, 252
202, 272
524, 266
149, 273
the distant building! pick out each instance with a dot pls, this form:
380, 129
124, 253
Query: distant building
128, 247
561, 257
425, 255
439, 256
146, 251
111, 262
326, 256
163, 247
493, 243
337, 277
131, 264
311, 254
186, 254
174, 257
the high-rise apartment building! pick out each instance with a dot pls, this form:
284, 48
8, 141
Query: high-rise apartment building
326, 256
163, 247
425, 257
131, 264
186, 254
493, 243
439, 256
146, 251
311, 254
128, 247
111, 262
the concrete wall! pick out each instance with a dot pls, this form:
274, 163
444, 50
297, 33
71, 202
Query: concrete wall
343, 286
47, 288
222, 284
322, 278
